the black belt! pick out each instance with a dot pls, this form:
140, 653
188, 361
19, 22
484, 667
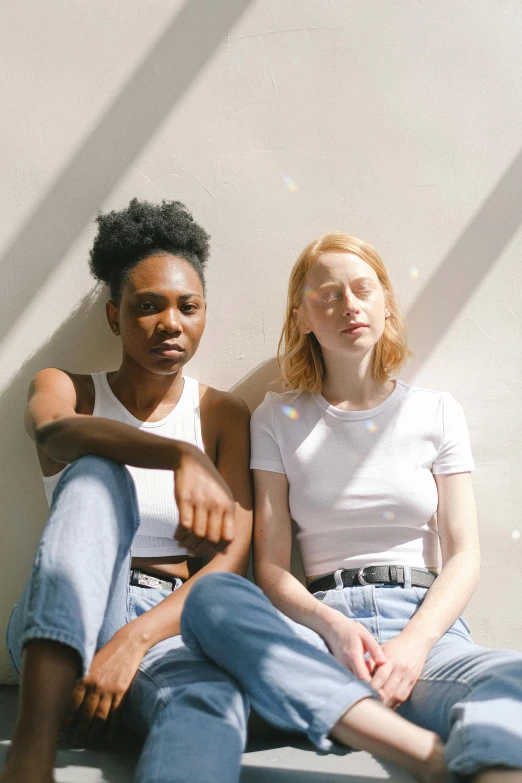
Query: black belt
139, 578
371, 575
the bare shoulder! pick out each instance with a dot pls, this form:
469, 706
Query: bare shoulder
221, 406
225, 420
75, 388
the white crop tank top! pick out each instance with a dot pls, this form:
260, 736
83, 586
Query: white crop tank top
154, 488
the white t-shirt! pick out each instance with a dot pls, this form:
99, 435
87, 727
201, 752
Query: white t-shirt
361, 486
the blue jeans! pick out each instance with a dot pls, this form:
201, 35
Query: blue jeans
470, 696
192, 711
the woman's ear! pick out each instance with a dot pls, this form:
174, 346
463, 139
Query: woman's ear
302, 323
113, 316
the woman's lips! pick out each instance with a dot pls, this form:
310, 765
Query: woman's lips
170, 351
355, 329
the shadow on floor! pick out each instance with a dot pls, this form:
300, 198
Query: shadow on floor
271, 757
260, 774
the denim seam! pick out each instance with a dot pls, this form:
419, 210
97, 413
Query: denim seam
376, 610
11, 657
450, 680
464, 732
466, 744
18, 674
134, 498
465, 740
55, 636
129, 594
161, 686
35, 574
157, 680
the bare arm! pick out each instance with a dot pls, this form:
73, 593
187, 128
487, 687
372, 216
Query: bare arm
52, 421
272, 553
63, 435
347, 639
451, 592
447, 597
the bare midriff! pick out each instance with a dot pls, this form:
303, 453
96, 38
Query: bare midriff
179, 566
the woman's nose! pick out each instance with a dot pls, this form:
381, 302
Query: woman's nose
350, 303
169, 321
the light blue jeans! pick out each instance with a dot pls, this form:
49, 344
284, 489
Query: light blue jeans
192, 711
470, 696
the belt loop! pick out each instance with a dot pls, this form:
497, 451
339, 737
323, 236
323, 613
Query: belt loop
338, 579
407, 577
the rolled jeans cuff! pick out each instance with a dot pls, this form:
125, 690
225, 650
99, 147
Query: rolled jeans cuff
346, 698
54, 635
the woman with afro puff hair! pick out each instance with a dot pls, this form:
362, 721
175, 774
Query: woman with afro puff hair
146, 473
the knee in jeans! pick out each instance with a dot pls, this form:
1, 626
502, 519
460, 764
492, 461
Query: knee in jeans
213, 596
103, 478
100, 469
219, 588
93, 465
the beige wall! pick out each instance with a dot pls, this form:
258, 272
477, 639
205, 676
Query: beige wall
397, 121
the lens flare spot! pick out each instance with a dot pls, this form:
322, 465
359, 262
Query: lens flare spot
290, 184
371, 426
291, 412
515, 535
414, 272
389, 515
309, 293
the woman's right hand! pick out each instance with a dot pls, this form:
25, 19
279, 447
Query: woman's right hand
205, 504
349, 642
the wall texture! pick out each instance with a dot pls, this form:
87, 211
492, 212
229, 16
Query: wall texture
274, 121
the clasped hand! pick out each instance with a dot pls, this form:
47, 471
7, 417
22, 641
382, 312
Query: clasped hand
392, 668
395, 679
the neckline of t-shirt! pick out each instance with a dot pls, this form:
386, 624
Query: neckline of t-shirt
144, 424
369, 413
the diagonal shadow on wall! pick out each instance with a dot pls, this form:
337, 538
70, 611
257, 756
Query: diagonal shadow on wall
467, 263
150, 94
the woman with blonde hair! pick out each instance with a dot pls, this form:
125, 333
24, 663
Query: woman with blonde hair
375, 473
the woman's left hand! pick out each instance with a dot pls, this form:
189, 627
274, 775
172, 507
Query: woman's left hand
395, 679
97, 696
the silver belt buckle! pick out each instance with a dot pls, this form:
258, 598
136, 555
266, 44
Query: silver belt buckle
360, 576
144, 580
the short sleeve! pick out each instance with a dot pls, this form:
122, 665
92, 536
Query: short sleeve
455, 450
265, 451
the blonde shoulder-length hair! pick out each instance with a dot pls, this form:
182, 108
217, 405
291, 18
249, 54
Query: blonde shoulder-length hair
299, 355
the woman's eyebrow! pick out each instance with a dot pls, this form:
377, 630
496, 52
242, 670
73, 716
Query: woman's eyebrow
157, 295
333, 283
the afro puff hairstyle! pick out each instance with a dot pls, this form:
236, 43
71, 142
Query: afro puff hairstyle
142, 229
